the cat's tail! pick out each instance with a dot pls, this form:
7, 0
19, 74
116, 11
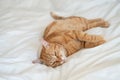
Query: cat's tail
56, 16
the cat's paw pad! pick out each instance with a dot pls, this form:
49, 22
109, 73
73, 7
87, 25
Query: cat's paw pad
99, 38
101, 42
106, 25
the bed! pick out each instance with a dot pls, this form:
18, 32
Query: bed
22, 23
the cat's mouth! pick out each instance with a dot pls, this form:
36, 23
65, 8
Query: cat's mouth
57, 63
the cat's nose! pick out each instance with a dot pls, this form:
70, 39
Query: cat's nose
63, 58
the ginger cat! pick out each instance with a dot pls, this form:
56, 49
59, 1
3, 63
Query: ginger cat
65, 36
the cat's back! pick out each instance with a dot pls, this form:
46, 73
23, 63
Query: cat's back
68, 24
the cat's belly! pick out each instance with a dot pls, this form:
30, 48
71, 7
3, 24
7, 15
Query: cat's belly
66, 25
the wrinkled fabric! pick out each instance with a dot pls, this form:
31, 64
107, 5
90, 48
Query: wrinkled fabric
22, 23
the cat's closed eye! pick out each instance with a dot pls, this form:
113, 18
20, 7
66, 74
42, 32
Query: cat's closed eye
55, 53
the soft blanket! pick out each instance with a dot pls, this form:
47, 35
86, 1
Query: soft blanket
22, 23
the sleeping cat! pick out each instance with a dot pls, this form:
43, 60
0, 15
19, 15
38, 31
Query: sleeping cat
66, 35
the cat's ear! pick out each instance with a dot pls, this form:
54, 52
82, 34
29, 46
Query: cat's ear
45, 43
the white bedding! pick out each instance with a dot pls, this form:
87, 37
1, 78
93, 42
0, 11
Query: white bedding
22, 23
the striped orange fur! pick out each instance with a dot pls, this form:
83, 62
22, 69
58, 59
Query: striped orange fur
66, 35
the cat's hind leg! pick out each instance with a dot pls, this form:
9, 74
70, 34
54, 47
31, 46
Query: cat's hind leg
94, 20
96, 23
82, 36
93, 44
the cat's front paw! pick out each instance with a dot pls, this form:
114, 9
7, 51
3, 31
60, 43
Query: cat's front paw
101, 42
106, 24
99, 38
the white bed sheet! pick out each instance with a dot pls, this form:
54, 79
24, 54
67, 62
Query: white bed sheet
22, 23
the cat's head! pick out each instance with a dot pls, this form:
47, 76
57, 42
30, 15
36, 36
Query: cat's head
52, 54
